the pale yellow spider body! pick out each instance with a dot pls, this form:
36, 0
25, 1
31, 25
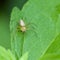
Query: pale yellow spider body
22, 26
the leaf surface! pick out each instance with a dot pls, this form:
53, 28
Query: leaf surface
42, 19
53, 52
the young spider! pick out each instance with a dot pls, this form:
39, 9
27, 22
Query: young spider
25, 27
22, 26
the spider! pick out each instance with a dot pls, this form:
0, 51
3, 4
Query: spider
24, 27
21, 26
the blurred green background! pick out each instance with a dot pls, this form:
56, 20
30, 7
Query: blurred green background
5, 12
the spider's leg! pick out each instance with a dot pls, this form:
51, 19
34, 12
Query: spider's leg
33, 29
31, 24
18, 28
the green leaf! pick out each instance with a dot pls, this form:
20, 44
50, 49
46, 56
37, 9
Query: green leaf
42, 19
53, 52
6, 54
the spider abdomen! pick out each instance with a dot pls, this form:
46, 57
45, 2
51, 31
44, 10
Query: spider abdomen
23, 28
